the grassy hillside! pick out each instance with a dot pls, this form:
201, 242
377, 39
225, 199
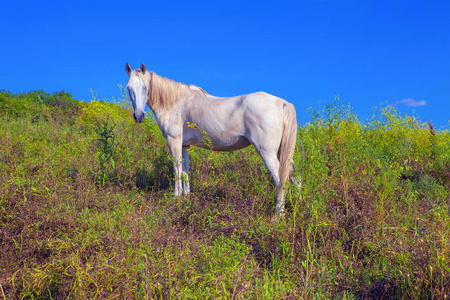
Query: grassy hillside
86, 209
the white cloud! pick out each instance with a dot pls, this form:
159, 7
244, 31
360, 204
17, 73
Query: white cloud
410, 102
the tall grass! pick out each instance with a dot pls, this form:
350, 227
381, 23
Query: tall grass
371, 220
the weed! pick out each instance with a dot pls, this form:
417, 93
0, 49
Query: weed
106, 148
371, 220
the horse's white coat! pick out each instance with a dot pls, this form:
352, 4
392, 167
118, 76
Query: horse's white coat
231, 123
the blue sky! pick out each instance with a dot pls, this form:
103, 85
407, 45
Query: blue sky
367, 52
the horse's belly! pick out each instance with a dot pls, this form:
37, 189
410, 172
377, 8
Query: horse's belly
221, 144
238, 143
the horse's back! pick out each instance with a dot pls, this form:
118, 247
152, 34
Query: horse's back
267, 109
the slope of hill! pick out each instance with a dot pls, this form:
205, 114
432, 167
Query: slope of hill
86, 209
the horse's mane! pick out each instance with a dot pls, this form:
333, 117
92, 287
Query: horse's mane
164, 92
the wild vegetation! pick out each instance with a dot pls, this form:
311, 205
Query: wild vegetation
86, 209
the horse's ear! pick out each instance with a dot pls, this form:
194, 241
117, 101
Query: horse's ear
143, 68
128, 69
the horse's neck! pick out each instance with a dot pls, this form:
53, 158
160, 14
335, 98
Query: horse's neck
167, 118
162, 115
170, 113
163, 92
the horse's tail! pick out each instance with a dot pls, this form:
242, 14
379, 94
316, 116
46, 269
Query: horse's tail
288, 139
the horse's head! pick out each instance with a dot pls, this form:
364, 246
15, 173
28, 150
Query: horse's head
138, 86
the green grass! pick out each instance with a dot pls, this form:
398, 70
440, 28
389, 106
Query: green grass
87, 212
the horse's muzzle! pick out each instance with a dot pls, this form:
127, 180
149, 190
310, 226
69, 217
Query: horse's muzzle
139, 116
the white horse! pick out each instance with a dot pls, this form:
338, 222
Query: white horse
230, 123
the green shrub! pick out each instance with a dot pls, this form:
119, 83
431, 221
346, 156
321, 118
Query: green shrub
39, 105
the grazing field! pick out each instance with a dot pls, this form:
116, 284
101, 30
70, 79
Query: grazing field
86, 209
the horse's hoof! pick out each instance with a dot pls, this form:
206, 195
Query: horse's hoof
278, 216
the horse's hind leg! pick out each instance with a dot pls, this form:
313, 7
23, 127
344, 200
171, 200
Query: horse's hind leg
273, 165
185, 171
296, 180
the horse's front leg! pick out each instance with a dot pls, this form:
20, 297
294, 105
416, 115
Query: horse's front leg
174, 144
185, 171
